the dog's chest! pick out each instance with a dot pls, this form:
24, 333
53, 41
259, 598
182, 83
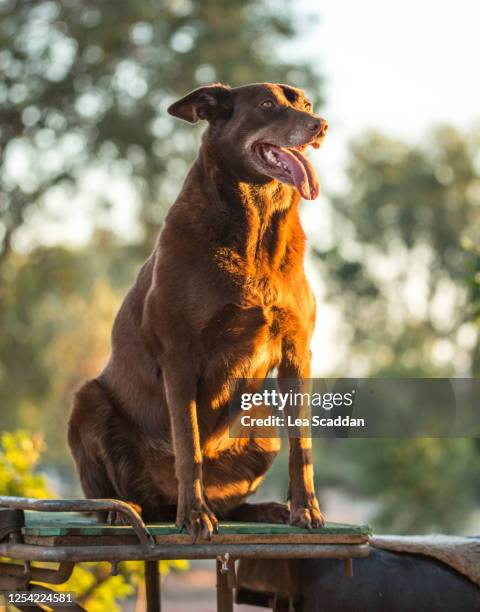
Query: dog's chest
243, 339
240, 343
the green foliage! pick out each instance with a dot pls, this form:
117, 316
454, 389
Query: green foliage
58, 308
473, 279
396, 268
473, 287
419, 484
97, 590
19, 455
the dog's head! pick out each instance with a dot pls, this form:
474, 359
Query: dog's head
261, 131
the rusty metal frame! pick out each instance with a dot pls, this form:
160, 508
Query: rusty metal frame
39, 574
83, 505
146, 550
80, 554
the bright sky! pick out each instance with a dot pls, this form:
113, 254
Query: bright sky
395, 66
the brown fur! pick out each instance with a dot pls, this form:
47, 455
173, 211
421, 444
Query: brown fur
223, 296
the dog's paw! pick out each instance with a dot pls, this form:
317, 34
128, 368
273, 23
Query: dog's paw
120, 519
200, 522
308, 516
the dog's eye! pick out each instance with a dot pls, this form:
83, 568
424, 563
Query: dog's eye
267, 104
308, 106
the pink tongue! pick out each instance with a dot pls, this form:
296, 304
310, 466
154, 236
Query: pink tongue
303, 174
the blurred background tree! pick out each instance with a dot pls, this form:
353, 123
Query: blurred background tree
19, 457
396, 268
473, 283
84, 86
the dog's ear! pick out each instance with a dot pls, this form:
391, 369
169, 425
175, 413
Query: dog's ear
210, 102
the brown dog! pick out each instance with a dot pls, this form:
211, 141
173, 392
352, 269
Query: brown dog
222, 297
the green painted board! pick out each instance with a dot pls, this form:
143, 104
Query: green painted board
71, 523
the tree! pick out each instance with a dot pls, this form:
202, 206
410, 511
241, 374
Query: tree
85, 85
473, 286
19, 456
397, 268
419, 485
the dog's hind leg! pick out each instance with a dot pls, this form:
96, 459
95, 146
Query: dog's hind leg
86, 438
93, 475
81, 439
267, 512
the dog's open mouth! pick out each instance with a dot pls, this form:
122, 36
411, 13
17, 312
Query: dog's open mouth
289, 165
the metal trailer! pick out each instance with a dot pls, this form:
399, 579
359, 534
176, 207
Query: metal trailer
54, 531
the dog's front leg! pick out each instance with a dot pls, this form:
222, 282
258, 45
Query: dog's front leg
192, 508
304, 508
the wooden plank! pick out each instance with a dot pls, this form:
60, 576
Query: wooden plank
251, 538
62, 524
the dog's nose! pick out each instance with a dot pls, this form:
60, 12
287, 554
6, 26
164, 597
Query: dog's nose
323, 127
317, 126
